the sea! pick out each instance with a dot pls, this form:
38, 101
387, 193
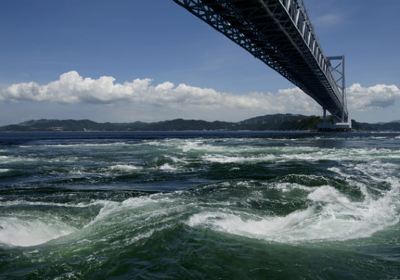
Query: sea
199, 205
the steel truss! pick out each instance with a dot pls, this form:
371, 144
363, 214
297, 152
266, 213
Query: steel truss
279, 33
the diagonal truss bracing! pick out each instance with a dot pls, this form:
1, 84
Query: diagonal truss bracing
279, 33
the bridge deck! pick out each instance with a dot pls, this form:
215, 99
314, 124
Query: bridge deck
279, 33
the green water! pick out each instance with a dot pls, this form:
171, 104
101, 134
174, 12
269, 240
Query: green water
199, 206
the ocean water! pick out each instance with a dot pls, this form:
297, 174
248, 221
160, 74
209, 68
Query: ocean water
199, 205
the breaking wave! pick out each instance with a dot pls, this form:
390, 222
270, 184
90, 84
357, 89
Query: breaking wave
125, 167
300, 208
21, 232
331, 216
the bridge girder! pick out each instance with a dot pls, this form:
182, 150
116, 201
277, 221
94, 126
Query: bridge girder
279, 33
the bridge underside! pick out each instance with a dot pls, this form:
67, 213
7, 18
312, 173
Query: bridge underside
278, 33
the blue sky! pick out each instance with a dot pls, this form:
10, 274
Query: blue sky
194, 71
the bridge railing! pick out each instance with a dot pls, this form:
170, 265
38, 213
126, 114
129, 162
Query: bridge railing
221, 13
300, 18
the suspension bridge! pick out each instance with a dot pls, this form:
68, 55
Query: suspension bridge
280, 33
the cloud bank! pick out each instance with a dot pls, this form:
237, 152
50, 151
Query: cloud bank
379, 96
72, 88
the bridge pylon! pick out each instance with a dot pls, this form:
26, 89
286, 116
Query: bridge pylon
337, 66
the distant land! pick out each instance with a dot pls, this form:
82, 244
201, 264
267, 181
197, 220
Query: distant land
267, 122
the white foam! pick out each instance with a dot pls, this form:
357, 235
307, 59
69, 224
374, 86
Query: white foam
338, 171
236, 159
15, 231
113, 207
167, 167
4, 170
62, 159
76, 171
11, 159
328, 194
199, 145
287, 187
377, 170
125, 167
6, 159
176, 159
31, 230
304, 154
145, 235
331, 216
35, 230
53, 204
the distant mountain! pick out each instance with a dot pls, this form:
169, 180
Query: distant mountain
280, 122
389, 126
267, 122
88, 125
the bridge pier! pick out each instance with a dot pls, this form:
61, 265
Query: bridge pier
328, 124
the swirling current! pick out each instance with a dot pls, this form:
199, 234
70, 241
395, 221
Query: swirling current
199, 205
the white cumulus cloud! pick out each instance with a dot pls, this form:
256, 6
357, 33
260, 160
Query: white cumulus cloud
72, 88
378, 96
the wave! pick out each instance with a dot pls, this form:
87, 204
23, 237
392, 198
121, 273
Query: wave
16, 231
376, 170
12, 159
125, 167
326, 214
53, 204
24, 229
21, 159
312, 154
331, 216
37, 227
141, 216
237, 159
168, 167
177, 159
287, 187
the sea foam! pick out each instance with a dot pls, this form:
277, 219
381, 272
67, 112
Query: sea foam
16, 231
125, 167
330, 216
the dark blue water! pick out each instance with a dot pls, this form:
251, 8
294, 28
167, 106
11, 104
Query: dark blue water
199, 205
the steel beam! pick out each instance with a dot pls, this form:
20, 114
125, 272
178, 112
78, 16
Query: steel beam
279, 33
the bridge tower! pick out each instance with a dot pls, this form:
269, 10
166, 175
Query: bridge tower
337, 65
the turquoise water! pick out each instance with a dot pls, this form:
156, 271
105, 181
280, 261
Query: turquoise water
199, 206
